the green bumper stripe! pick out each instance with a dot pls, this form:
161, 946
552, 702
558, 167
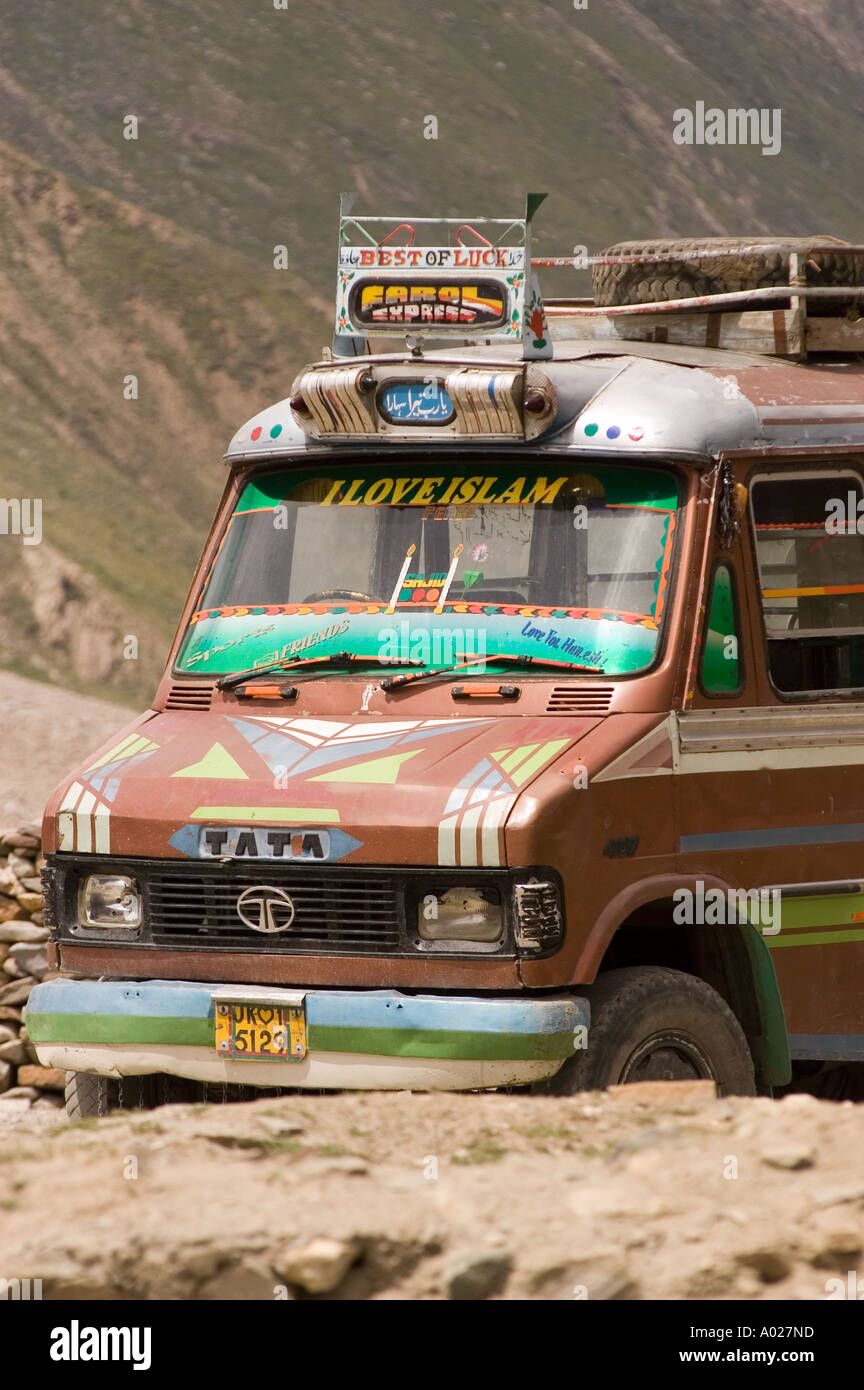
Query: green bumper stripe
119, 1028
111, 1029
406, 1042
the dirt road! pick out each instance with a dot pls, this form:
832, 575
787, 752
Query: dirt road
428, 1197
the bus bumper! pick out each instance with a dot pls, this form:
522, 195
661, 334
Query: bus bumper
354, 1039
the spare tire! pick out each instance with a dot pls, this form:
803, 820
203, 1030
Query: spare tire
730, 267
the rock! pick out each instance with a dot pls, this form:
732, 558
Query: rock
22, 930
320, 1266
31, 902
477, 1275
836, 1249
10, 908
12, 1108
280, 1129
14, 1052
7, 1034
836, 1196
38, 918
20, 1093
30, 957
14, 1015
350, 1164
18, 839
17, 992
13, 970
663, 1092
48, 1101
33, 885
247, 1280
47, 1078
19, 866
792, 1159
5, 1075
770, 1265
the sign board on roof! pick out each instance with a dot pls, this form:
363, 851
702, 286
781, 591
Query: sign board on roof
438, 279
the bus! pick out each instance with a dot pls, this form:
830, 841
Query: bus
510, 731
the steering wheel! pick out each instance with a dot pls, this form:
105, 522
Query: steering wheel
353, 594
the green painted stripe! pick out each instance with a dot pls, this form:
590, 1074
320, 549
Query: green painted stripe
405, 1042
380, 1042
815, 938
119, 1028
822, 910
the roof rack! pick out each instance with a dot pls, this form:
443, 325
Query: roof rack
478, 284
722, 320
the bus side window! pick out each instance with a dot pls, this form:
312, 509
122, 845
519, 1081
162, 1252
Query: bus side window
810, 556
720, 668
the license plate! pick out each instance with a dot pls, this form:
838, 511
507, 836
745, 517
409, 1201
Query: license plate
260, 1030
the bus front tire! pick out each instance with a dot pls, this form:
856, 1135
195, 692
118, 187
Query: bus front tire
649, 1023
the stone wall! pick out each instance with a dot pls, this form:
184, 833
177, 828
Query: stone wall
23, 962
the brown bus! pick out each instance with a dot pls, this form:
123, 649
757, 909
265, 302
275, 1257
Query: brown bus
512, 730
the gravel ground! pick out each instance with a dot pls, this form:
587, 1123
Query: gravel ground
643, 1194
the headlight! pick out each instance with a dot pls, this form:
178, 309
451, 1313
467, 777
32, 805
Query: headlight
110, 900
460, 914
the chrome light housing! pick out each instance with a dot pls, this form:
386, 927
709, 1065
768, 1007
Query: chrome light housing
110, 900
539, 920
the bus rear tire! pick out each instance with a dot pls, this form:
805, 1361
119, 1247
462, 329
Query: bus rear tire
649, 1023
89, 1095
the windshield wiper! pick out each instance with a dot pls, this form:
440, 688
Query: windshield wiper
496, 659
333, 659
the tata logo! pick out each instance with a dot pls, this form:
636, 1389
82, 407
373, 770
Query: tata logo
265, 909
286, 844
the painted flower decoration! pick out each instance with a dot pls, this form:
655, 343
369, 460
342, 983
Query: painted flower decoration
537, 323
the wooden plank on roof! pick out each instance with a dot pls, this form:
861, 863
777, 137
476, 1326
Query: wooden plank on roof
776, 332
835, 335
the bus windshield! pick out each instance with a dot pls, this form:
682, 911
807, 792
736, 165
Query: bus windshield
439, 566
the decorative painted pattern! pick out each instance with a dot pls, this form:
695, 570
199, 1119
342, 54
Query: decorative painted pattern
84, 815
505, 610
470, 830
304, 746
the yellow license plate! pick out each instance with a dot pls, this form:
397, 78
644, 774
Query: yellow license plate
259, 1030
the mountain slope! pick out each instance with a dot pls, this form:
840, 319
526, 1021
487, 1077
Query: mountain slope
252, 118
93, 291
153, 257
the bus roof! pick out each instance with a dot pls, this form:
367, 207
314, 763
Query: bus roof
610, 397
